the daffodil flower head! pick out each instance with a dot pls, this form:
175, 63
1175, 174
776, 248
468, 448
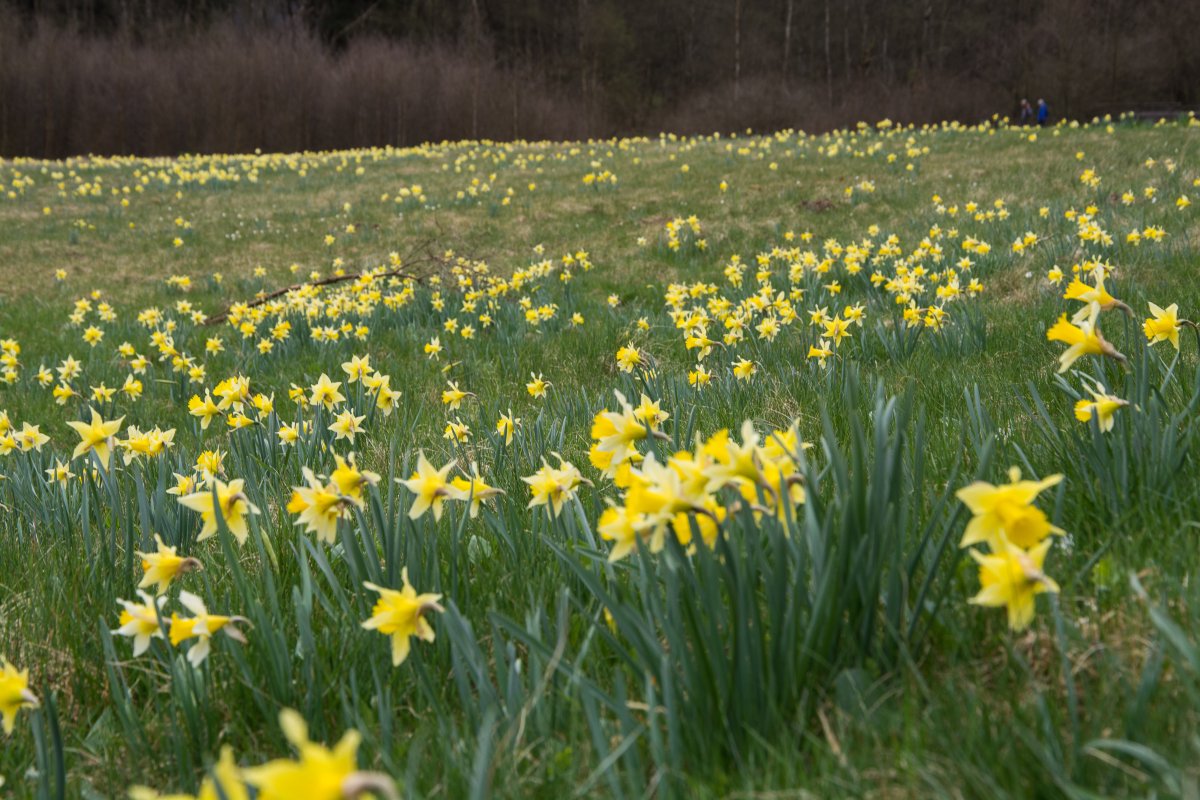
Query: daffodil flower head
164, 565
201, 627
317, 772
141, 621
350, 479
474, 490
430, 488
1163, 325
1082, 337
319, 506
1078, 290
615, 434
14, 693
96, 436
224, 783
1006, 512
227, 499
553, 487
1012, 577
1102, 407
400, 614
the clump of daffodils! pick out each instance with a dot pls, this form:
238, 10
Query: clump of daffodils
431, 487
321, 502
1016, 535
145, 621
690, 493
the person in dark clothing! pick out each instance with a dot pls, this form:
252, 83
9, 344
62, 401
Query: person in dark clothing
1026, 114
1043, 112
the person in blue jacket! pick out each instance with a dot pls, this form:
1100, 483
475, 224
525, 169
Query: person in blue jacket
1043, 112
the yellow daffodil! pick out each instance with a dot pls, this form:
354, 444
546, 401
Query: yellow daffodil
506, 425
400, 614
96, 437
319, 507
350, 479
475, 490
537, 386
1006, 512
1013, 578
234, 506
140, 621
430, 488
201, 627
1103, 407
326, 393
347, 425
163, 566
224, 783
14, 693
318, 772
553, 486
453, 396
1163, 325
1082, 337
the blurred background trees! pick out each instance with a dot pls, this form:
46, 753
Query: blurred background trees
169, 76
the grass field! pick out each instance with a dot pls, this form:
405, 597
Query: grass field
681, 613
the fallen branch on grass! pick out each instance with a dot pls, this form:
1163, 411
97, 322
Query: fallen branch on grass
258, 301
409, 261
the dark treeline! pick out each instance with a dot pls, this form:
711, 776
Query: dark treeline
169, 76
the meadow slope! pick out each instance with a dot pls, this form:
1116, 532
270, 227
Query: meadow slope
567, 392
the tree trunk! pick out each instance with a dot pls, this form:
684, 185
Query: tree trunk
477, 35
828, 59
737, 49
787, 41
846, 36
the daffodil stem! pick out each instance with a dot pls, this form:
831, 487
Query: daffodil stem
1067, 675
1195, 329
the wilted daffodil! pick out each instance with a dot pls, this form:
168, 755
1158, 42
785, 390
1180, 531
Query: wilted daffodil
401, 615
235, 507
